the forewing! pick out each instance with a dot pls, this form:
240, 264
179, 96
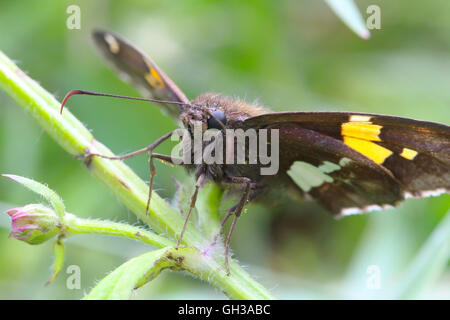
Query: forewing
140, 70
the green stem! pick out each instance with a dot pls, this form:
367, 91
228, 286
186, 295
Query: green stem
193, 259
74, 225
72, 136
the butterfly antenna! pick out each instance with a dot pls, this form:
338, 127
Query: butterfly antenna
92, 93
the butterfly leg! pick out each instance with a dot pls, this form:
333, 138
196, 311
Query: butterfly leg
237, 212
257, 189
198, 184
162, 157
251, 191
150, 184
149, 148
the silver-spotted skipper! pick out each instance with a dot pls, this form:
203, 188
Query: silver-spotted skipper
348, 162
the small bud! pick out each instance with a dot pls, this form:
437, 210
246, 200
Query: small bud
33, 223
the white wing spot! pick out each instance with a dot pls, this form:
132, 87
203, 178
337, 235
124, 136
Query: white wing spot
114, 46
358, 118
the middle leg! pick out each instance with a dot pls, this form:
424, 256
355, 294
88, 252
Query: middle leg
251, 191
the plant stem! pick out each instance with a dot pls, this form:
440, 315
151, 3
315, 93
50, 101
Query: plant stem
72, 136
74, 225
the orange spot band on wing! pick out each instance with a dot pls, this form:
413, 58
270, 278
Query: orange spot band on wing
156, 75
153, 77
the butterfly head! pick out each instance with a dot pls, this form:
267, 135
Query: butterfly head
203, 116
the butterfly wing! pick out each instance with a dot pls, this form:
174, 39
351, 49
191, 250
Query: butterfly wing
415, 154
140, 70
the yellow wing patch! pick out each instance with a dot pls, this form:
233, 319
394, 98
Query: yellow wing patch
408, 153
370, 149
359, 133
361, 130
154, 79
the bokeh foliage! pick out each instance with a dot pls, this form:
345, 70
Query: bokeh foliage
289, 55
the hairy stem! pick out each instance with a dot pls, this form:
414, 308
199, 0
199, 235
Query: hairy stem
74, 225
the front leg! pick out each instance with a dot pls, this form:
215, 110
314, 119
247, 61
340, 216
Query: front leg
152, 155
149, 148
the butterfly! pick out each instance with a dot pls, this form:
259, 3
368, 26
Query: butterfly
346, 161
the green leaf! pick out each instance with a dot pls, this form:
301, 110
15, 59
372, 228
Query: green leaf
348, 12
429, 262
134, 273
58, 250
50, 195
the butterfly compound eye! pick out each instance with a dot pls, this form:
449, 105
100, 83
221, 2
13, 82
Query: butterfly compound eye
219, 115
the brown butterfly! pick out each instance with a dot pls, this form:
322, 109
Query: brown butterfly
348, 162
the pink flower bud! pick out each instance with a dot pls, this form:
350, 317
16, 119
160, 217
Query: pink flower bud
33, 223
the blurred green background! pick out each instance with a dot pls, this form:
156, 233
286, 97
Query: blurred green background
288, 55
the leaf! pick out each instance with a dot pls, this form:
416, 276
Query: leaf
429, 262
58, 250
134, 273
50, 195
348, 12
